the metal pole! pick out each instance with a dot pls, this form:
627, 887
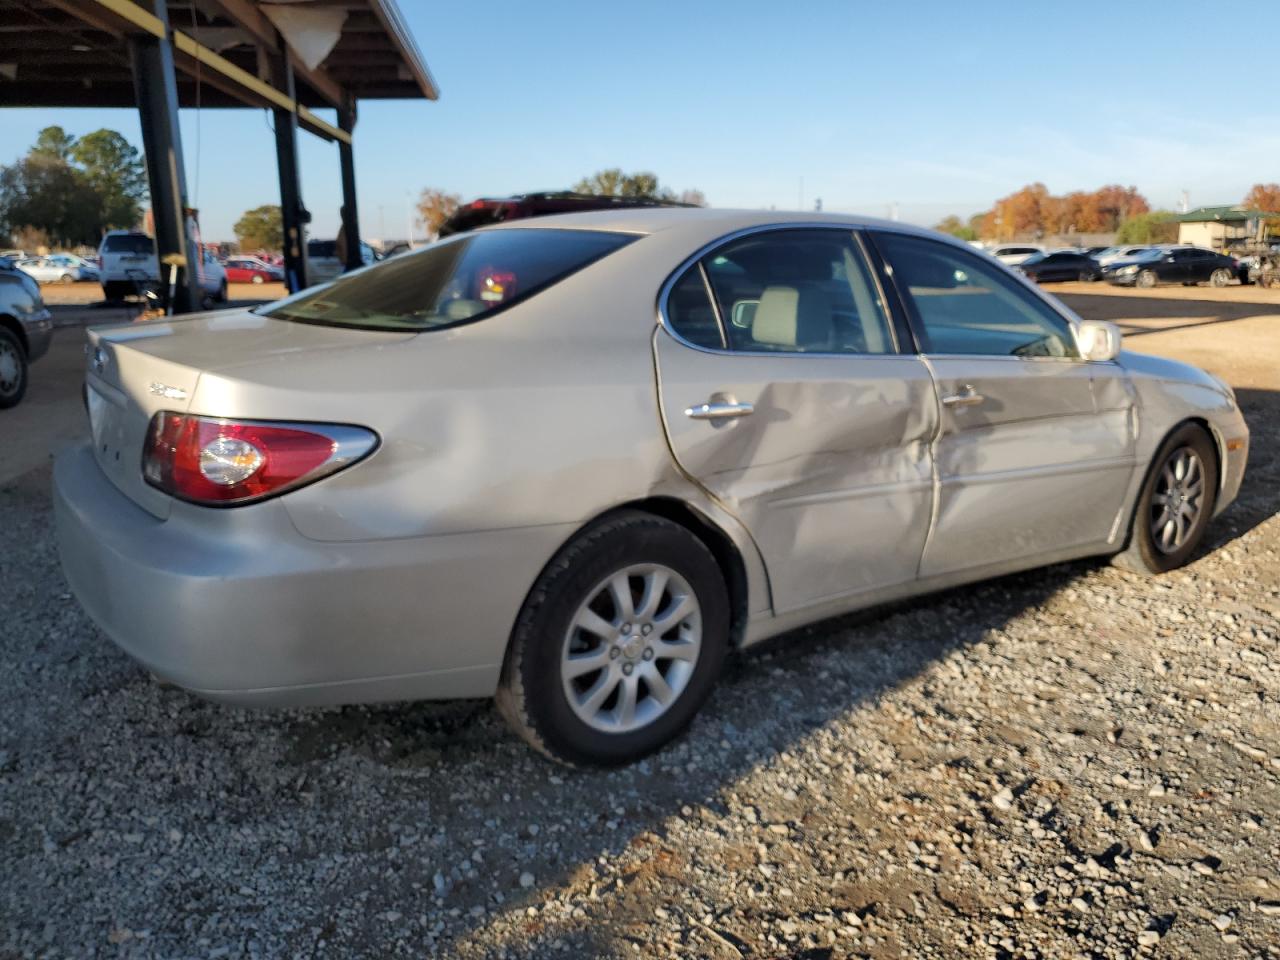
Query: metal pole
350, 212
293, 215
156, 90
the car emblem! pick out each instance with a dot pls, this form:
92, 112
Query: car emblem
164, 390
99, 360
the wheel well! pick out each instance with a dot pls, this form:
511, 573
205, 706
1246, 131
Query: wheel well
12, 325
1219, 447
726, 554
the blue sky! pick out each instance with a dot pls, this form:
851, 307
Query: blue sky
938, 107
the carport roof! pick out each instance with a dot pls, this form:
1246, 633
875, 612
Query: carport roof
74, 53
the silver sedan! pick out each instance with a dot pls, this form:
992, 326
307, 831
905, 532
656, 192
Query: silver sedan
573, 462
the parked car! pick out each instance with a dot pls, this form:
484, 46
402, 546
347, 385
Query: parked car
1113, 254
1185, 265
486, 210
1012, 254
491, 466
252, 270
129, 266
323, 264
26, 328
1048, 267
58, 268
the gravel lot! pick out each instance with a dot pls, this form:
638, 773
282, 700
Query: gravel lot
1074, 762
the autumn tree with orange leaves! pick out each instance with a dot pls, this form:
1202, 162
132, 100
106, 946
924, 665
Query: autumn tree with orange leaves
1033, 210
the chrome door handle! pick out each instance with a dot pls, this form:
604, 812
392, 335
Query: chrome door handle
966, 399
720, 410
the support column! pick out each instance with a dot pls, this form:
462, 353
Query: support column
156, 90
350, 212
294, 216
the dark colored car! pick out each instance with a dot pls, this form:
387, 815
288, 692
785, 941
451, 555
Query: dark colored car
1064, 265
1185, 265
482, 212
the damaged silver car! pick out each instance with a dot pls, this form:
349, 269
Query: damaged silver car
573, 462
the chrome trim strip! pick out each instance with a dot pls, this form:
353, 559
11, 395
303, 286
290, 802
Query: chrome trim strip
852, 493
1054, 470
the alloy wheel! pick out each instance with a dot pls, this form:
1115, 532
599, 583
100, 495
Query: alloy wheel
631, 648
1177, 500
1220, 278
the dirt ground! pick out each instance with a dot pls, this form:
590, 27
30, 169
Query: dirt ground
1075, 762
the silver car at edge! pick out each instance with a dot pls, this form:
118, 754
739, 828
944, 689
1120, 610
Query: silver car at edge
573, 462
26, 330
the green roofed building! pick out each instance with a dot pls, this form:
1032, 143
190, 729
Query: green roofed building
1219, 228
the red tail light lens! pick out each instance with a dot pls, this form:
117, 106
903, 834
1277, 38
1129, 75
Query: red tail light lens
218, 462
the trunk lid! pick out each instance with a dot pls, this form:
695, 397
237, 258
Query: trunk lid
138, 370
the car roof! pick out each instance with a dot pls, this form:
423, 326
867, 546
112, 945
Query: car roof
651, 220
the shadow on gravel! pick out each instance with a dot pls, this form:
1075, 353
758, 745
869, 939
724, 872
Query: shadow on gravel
1259, 498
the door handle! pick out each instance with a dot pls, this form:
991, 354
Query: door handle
720, 410
967, 398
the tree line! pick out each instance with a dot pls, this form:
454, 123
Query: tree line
1033, 211
67, 191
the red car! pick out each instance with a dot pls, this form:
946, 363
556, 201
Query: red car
252, 270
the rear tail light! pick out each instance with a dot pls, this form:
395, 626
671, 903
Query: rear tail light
219, 462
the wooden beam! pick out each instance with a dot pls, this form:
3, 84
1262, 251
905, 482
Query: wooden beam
264, 31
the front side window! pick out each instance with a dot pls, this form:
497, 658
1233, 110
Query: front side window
964, 305
451, 282
790, 291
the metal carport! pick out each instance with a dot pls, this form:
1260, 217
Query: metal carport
291, 56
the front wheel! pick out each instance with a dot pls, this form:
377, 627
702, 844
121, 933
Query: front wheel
66, 278
618, 644
258, 278
1175, 503
1147, 278
1220, 278
13, 369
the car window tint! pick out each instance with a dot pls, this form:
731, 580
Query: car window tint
451, 282
690, 313
132, 243
966, 306
798, 291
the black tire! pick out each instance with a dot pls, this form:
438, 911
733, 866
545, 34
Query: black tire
13, 369
114, 292
1141, 554
222, 293
531, 696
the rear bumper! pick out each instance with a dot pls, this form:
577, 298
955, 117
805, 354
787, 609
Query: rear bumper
236, 605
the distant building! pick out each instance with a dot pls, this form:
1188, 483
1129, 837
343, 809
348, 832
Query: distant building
1218, 228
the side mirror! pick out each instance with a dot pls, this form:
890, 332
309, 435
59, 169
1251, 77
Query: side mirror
1098, 340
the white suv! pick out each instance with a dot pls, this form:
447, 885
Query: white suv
129, 265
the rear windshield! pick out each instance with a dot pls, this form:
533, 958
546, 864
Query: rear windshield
128, 243
450, 282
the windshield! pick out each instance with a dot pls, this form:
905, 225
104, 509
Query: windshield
128, 243
1034, 258
451, 282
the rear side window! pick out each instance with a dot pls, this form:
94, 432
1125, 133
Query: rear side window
451, 282
784, 291
128, 243
965, 305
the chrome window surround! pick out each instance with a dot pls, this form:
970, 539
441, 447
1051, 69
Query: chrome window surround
851, 230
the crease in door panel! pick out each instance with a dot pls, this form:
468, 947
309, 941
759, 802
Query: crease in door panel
936, 500
666, 436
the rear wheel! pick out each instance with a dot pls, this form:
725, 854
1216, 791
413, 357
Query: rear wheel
1220, 277
66, 278
618, 644
1147, 278
258, 278
13, 369
1175, 504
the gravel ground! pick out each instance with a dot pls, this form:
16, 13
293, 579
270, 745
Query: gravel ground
1074, 762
